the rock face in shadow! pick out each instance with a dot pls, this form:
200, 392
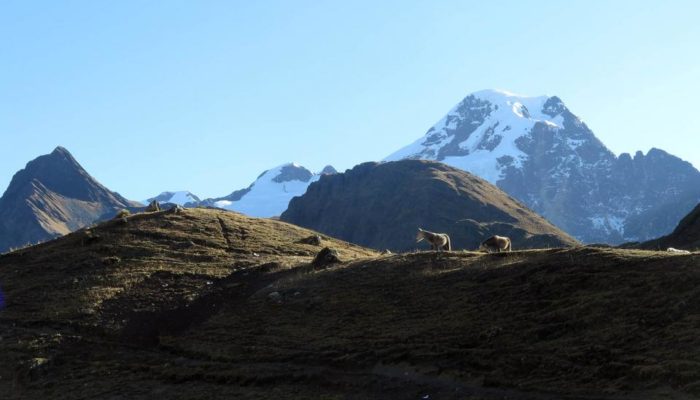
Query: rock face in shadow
686, 235
52, 196
382, 205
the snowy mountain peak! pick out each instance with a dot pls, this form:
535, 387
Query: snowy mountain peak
486, 132
269, 195
287, 173
181, 197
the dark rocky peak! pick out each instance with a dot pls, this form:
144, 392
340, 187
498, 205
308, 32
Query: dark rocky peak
328, 170
655, 157
60, 173
553, 106
292, 172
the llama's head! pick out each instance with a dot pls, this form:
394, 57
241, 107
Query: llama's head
420, 236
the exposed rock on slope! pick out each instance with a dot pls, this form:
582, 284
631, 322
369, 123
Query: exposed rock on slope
538, 151
53, 195
382, 205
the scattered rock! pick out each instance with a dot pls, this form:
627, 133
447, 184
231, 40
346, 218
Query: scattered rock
176, 209
326, 257
275, 297
110, 260
89, 238
32, 370
122, 214
153, 206
314, 240
184, 245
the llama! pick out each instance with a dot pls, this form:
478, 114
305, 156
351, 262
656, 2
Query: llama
495, 244
438, 241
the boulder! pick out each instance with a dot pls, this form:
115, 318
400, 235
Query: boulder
325, 258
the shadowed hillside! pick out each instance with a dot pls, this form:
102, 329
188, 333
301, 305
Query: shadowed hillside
212, 304
685, 236
382, 205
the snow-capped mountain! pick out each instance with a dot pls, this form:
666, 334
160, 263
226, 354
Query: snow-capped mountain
180, 197
536, 150
271, 192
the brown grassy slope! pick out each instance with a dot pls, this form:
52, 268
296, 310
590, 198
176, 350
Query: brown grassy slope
685, 236
541, 324
578, 322
381, 205
100, 280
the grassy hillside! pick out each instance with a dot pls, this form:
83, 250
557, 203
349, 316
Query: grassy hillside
211, 304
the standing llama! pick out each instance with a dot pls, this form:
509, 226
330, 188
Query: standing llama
495, 244
438, 241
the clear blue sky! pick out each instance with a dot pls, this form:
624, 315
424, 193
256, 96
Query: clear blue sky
152, 96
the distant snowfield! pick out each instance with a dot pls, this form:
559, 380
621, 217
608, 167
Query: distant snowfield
268, 198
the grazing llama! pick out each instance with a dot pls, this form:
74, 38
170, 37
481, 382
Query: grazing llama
438, 241
495, 244
677, 251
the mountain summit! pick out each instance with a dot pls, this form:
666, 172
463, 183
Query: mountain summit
53, 195
538, 151
271, 192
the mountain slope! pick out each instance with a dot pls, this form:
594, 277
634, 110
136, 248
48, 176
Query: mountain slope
685, 236
211, 304
382, 205
538, 151
52, 196
271, 192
